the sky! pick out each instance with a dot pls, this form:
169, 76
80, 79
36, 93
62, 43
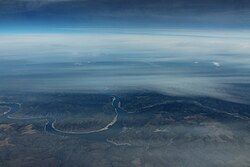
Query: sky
180, 47
46, 15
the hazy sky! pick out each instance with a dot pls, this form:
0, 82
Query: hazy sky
44, 15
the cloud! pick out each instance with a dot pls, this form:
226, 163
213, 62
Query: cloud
216, 64
126, 62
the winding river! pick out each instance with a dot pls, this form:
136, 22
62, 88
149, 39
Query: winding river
110, 130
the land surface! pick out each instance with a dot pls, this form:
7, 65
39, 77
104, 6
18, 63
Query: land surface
134, 129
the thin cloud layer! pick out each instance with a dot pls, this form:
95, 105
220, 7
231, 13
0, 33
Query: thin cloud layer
126, 62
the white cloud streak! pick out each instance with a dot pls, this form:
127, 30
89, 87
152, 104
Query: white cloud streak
124, 62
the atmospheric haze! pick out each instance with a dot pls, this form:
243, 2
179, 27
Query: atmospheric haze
179, 62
